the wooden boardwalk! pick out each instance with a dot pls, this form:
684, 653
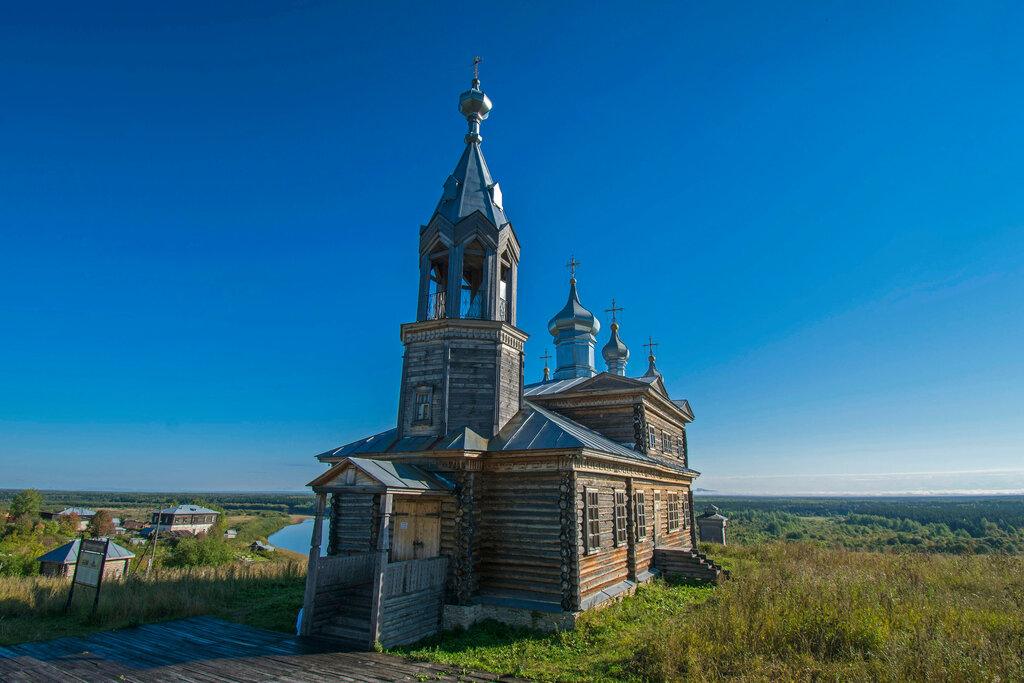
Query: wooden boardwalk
211, 651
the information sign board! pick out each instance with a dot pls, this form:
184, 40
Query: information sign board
92, 554
91, 557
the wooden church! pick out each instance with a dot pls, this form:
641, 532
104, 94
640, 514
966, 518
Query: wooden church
491, 498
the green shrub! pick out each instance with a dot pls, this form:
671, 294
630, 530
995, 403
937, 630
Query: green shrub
206, 551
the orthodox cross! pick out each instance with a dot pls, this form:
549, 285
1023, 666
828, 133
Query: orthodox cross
571, 265
546, 357
613, 309
476, 67
650, 345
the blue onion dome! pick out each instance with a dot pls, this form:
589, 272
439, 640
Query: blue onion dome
574, 316
615, 351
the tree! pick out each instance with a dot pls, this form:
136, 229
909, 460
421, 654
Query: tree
102, 524
27, 502
69, 524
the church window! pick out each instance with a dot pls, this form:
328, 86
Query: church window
423, 404
640, 515
620, 517
673, 512
651, 436
592, 520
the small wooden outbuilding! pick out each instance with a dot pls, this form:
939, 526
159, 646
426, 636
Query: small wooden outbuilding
61, 561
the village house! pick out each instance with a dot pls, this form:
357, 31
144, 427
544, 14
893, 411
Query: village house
182, 520
61, 561
493, 497
85, 516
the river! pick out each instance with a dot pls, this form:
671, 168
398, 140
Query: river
296, 537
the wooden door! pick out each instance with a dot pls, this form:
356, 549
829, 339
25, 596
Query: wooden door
417, 525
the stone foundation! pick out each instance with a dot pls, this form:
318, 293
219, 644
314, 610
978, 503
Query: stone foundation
464, 616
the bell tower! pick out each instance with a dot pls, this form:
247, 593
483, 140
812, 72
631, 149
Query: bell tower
463, 356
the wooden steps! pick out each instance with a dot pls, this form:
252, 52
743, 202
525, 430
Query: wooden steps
689, 563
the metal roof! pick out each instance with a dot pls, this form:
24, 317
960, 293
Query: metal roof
554, 387
68, 553
388, 442
81, 512
188, 510
390, 474
532, 428
535, 428
470, 188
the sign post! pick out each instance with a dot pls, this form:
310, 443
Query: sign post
92, 556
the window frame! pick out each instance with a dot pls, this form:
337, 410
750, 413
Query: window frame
621, 533
652, 435
591, 519
639, 515
427, 393
673, 511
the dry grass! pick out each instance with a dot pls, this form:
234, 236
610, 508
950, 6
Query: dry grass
265, 594
793, 612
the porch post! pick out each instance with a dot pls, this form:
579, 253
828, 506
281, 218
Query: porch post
308, 601
383, 545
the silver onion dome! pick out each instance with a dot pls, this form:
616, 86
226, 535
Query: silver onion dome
474, 104
615, 353
573, 318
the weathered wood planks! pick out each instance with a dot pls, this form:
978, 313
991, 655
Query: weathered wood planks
212, 651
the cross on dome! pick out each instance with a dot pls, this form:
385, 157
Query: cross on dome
571, 265
650, 347
612, 310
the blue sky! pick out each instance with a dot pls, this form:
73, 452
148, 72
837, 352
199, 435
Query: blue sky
209, 218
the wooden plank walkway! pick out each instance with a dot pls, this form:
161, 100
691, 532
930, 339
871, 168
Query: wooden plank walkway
209, 650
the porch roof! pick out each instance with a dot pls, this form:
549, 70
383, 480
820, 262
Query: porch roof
392, 475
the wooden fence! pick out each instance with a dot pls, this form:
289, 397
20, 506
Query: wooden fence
413, 595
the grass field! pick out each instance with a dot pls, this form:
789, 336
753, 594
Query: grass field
268, 595
793, 612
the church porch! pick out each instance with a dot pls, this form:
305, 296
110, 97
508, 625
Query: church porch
383, 579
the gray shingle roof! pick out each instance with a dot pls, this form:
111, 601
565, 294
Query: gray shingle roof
68, 553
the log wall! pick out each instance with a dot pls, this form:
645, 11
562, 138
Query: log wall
521, 554
355, 522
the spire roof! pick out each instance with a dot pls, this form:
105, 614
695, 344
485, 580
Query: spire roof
470, 187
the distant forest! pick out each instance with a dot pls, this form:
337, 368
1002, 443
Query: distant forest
947, 525
291, 503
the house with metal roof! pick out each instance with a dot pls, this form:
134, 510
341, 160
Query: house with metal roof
85, 516
494, 498
182, 520
61, 561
